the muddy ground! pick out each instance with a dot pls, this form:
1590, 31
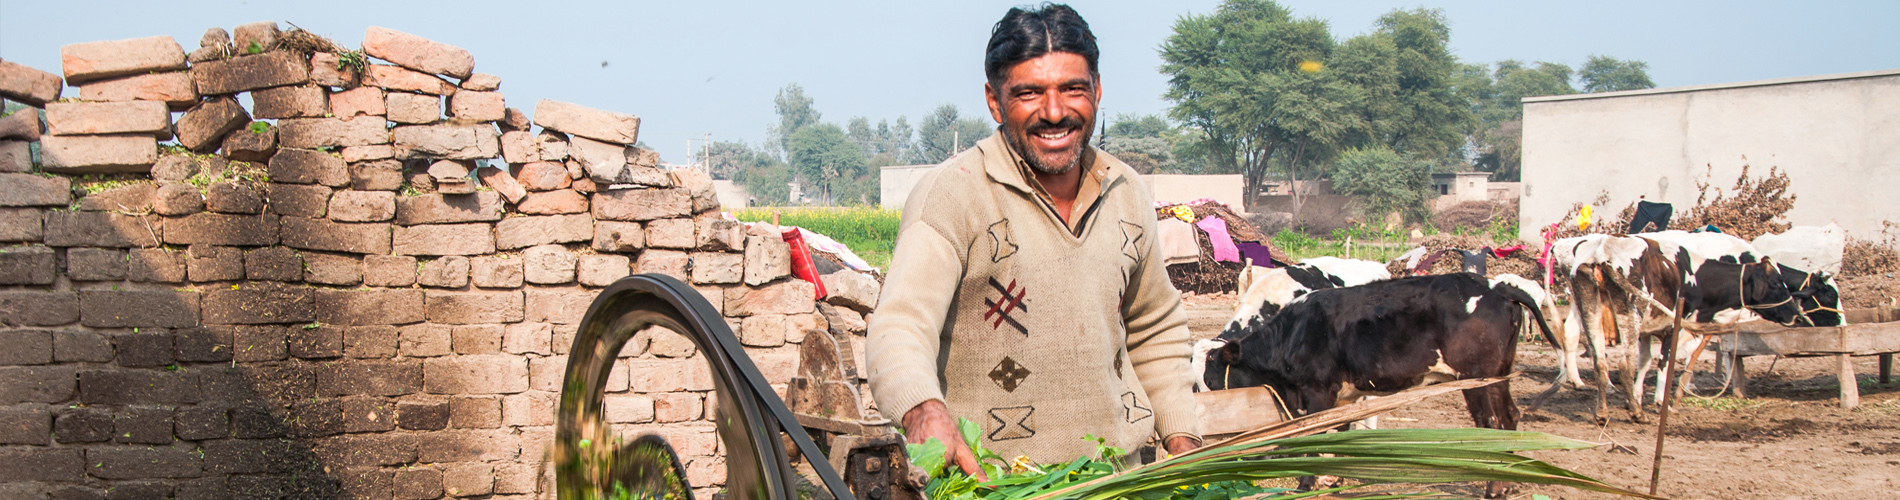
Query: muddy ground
1790, 439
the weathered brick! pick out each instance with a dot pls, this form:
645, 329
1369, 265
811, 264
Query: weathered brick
564, 338
368, 415
291, 101
312, 133
535, 408
202, 129
251, 144
491, 271
518, 478
370, 342
221, 229
120, 387
767, 258
518, 147
22, 224
101, 229
365, 101
425, 340
522, 232
476, 339
447, 141
548, 265
85, 62
138, 308
142, 425
273, 264
783, 297
255, 421
203, 344
369, 307
499, 180
251, 456
558, 306
641, 204
178, 199
332, 269
377, 175
462, 308
28, 190
82, 346
28, 265
610, 236
131, 117
603, 270
95, 264
309, 166
446, 272
234, 198
363, 206
407, 108
370, 450
26, 424
131, 198
423, 415
677, 407
98, 154
537, 176
323, 234
259, 303
370, 378
564, 201
24, 84
297, 200
202, 423
25, 347
175, 89
83, 425
468, 479
604, 162
403, 79
554, 149
668, 375
328, 70
315, 341
41, 464
448, 209
444, 239
851, 289
34, 308
468, 446
142, 462
674, 233
619, 128
17, 156
256, 342
763, 330
418, 484
214, 263
144, 349
668, 262
418, 53
629, 408
477, 106
475, 412
238, 74
475, 374
716, 234
389, 270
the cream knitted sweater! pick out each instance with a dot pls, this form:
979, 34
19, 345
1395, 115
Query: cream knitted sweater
1037, 334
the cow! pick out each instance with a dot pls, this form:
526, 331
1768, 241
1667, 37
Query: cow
1338, 344
1623, 279
1817, 295
1265, 291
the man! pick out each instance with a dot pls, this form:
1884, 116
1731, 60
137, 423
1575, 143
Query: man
1025, 292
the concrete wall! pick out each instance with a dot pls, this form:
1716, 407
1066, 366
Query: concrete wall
895, 183
1837, 137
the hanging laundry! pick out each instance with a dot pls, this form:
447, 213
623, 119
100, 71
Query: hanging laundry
1182, 212
1224, 249
1177, 242
1260, 254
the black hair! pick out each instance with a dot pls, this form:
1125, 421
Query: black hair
1028, 34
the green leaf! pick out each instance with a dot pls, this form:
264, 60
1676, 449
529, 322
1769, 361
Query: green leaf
970, 431
928, 455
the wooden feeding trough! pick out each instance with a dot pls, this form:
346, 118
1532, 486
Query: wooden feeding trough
1869, 332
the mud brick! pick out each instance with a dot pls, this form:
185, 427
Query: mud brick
328, 70
604, 162
783, 297
367, 483
25, 347
257, 342
612, 236
537, 176
354, 154
448, 209
677, 407
83, 425
499, 180
447, 141
418, 484
138, 308
370, 378
548, 265
309, 166
719, 235
763, 330
98, 154
476, 339
468, 446
16, 156
178, 199
175, 89
522, 232
603, 270
564, 201
22, 224
402, 79
33, 308
247, 144
851, 289
463, 308
475, 412
530, 408
213, 263
95, 264
518, 478
323, 234
468, 479
257, 422
424, 415
24, 84
558, 306
378, 175
668, 262
445, 272
85, 62
364, 101
491, 271
629, 408
28, 190
259, 303
475, 374
608, 126
81, 345
312, 133
222, 229
297, 200
144, 349
367, 415
238, 74
554, 145
250, 456
234, 198
332, 269
142, 425
119, 387
41, 464
26, 424
641, 204
142, 462
291, 101
477, 106
518, 147
418, 53
389, 270
444, 239
93, 118
363, 206
369, 307
425, 340
273, 264
314, 341
202, 423
407, 108
671, 233
668, 375
203, 344
202, 129
101, 229
370, 342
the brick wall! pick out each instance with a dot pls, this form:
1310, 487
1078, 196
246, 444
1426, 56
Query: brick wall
353, 295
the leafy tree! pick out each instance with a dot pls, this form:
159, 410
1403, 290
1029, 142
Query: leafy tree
1498, 100
1146, 155
1130, 125
768, 185
1388, 182
729, 159
827, 163
944, 132
795, 111
1608, 74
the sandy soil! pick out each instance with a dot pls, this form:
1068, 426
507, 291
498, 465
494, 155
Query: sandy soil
1789, 440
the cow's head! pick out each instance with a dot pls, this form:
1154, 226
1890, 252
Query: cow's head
1266, 293
1227, 367
1766, 292
1819, 299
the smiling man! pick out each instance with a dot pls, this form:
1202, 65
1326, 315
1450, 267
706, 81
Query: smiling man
1025, 293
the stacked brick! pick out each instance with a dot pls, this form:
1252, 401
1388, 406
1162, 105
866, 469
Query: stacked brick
330, 305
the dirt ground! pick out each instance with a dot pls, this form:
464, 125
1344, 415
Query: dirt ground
1789, 440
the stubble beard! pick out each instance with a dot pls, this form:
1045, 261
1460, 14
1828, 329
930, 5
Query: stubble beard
1053, 164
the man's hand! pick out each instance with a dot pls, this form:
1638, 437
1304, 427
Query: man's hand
1181, 444
931, 419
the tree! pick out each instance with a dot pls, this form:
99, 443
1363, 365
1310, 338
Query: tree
1498, 100
827, 163
1607, 74
1146, 155
769, 184
795, 111
944, 132
728, 159
1388, 182
1129, 125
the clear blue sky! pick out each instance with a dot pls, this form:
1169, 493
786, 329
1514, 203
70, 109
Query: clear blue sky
691, 68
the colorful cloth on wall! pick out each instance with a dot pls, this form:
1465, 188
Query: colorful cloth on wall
1224, 249
1183, 213
1177, 241
1260, 254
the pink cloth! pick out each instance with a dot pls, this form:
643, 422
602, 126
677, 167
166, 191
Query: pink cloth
1224, 249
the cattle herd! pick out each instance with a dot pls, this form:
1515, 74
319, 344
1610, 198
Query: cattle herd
1329, 331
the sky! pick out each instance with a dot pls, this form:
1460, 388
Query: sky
709, 69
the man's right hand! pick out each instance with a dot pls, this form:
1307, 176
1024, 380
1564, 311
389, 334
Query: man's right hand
930, 419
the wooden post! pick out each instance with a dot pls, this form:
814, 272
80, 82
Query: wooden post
1886, 367
1669, 395
1850, 390
1737, 376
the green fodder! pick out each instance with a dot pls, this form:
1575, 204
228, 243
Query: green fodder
871, 232
1367, 244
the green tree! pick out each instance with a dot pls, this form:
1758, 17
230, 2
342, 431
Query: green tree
827, 164
1387, 181
768, 184
1146, 155
729, 159
944, 132
1608, 74
1130, 125
795, 111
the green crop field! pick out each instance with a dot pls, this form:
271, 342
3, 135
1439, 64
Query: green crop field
871, 232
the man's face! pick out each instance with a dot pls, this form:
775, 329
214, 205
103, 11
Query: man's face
1047, 108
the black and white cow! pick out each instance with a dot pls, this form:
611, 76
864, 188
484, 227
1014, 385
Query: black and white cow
1817, 297
1265, 291
1336, 345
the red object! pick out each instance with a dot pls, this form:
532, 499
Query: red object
801, 260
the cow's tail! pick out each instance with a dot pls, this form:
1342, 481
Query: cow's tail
1523, 299
1624, 283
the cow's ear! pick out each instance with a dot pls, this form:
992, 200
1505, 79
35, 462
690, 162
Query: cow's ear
1229, 353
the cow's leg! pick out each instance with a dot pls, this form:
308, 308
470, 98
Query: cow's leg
1639, 360
1491, 407
1315, 400
1572, 333
1589, 298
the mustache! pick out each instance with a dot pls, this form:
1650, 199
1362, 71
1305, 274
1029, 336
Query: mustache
1067, 122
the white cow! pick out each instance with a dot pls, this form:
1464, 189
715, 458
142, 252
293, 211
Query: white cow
1807, 248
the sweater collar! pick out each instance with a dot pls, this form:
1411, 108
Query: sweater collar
1004, 166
